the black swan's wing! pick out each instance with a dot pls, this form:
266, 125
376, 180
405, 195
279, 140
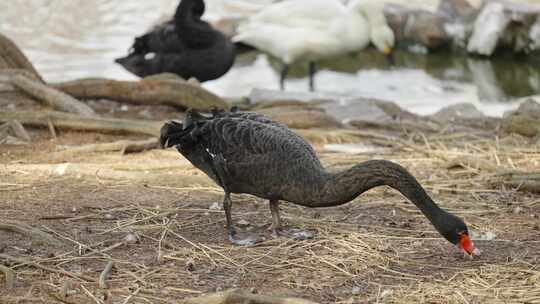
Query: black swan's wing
260, 156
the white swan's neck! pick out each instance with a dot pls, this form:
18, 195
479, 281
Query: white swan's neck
379, 32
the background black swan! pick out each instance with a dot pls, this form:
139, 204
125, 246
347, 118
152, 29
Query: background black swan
249, 153
186, 46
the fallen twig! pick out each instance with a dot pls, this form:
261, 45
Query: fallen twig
153, 91
56, 99
105, 274
77, 122
523, 181
9, 274
30, 231
37, 265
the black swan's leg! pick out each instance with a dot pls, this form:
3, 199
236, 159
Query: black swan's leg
276, 220
283, 75
278, 230
227, 203
312, 71
220, 168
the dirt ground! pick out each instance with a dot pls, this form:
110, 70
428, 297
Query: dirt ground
152, 214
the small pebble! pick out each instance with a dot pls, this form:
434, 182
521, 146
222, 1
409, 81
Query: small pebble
109, 216
215, 206
131, 238
242, 223
355, 290
517, 210
386, 293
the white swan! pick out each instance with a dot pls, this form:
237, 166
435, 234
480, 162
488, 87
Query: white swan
314, 29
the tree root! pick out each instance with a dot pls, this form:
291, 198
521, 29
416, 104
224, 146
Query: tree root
29, 231
150, 91
51, 97
11, 57
238, 296
123, 146
77, 122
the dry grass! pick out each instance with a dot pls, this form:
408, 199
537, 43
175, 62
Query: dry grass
149, 215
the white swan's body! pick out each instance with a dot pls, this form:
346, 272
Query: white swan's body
314, 29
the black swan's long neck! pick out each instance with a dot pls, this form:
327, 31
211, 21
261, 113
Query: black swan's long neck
340, 188
192, 31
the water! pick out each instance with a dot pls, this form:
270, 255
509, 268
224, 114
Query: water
75, 39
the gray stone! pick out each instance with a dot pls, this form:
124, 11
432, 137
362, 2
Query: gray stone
457, 111
265, 95
525, 120
417, 26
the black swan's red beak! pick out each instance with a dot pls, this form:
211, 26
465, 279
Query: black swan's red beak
467, 245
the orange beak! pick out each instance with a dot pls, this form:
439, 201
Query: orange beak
467, 245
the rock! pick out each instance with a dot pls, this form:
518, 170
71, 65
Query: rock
265, 95
298, 117
458, 111
131, 238
363, 109
456, 9
488, 28
417, 26
525, 120
285, 103
505, 24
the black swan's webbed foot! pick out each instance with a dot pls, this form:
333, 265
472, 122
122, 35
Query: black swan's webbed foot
278, 230
234, 238
248, 239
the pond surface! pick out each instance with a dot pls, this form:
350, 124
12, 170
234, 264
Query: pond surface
76, 39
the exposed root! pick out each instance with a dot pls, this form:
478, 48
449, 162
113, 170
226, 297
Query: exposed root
77, 122
152, 91
11, 57
123, 146
51, 97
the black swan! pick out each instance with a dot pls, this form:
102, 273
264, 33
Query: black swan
186, 46
247, 152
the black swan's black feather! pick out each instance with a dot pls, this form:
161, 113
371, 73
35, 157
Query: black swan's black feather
186, 46
249, 153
